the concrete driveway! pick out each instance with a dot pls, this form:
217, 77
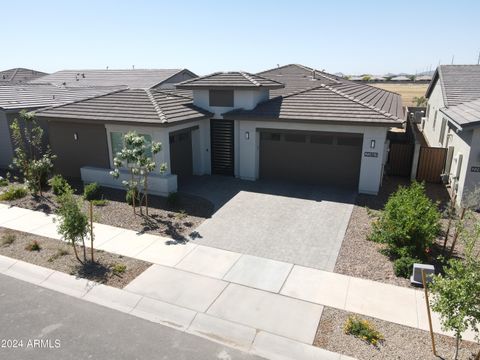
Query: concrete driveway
299, 224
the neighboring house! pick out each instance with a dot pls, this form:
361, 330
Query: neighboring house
133, 79
29, 97
400, 78
452, 121
71, 85
19, 76
310, 127
423, 78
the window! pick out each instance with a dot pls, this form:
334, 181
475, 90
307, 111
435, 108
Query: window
321, 139
116, 139
299, 138
350, 141
221, 98
435, 119
270, 136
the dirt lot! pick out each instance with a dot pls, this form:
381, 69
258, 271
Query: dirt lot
175, 220
400, 342
408, 91
57, 255
357, 254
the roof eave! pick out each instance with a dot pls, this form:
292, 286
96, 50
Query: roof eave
228, 87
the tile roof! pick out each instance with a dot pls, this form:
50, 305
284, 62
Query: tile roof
231, 79
324, 103
19, 76
459, 83
465, 114
133, 78
298, 77
130, 105
31, 96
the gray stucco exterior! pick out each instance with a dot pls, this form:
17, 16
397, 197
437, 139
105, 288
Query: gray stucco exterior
78, 144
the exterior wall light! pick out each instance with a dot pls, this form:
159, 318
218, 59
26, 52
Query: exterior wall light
75, 136
372, 144
247, 135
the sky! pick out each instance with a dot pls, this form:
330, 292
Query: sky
353, 37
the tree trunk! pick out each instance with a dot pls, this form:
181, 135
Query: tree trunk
76, 253
84, 250
91, 231
146, 193
457, 345
456, 234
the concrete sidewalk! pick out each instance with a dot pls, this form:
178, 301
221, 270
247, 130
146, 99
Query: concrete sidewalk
282, 299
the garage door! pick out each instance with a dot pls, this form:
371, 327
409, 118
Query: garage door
313, 158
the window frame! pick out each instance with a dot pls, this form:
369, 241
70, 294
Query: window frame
122, 134
213, 101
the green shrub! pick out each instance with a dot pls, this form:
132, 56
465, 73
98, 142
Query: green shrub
172, 199
33, 246
3, 181
409, 222
92, 191
7, 239
118, 269
362, 329
129, 197
59, 185
101, 202
403, 266
13, 193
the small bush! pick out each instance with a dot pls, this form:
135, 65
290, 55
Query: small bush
7, 239
33, 246
172, 199
101, 202
13, 193
60, 252
129, 197
410, 221
3, 182
182, 214
92, 192
363, 330
118, 269
403, 266
59, 185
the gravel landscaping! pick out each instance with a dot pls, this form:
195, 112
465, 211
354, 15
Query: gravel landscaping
400, 342
360, 257
113, 270
176, 221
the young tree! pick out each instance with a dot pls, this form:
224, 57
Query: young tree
456, 293
420, 101
73, 224
31, 159
137, 156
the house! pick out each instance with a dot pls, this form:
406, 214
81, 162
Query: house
71, 85
452, 121
400, 78
290, 123
19, 76
131, 78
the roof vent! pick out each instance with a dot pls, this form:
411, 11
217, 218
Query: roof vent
83, 75
313, 74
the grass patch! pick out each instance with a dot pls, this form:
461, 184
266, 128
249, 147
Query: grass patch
13, 193
7, 239
100, 202
33, 246
60, 252
3, 182
182, 214
119, 269
362, 329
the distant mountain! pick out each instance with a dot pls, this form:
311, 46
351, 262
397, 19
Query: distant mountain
431, 72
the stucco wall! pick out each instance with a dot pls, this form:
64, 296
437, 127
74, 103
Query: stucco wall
371, 170
435, 103
90, 148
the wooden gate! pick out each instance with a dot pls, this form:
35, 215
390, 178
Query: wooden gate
400, 159
431, 163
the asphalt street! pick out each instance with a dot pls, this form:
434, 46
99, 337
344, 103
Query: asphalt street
40, 324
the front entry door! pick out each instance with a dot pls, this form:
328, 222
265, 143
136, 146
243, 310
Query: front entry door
221, 138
